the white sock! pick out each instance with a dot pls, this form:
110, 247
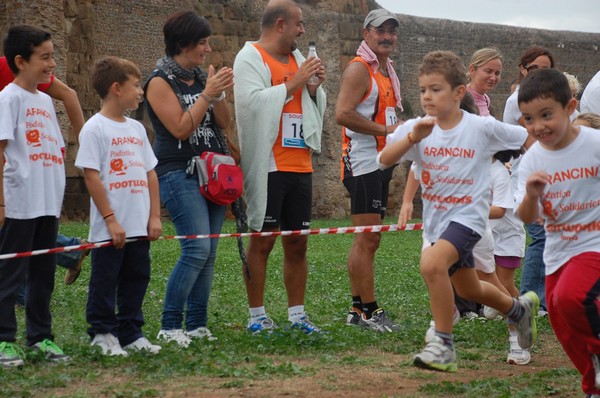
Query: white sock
295, 313
257, 312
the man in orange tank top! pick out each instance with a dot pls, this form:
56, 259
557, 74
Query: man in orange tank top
279, 118
366, 109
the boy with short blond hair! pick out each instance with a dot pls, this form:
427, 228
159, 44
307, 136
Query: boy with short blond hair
118, 163
559, 180
32, 184
453, 150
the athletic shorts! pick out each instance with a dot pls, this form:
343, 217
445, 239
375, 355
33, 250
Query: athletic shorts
289, 201
369, 192
464, 240
510, 262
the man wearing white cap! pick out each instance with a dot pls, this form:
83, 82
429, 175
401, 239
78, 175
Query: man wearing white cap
366, 109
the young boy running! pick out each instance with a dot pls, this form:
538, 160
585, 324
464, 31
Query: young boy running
559, 180
453, 150
32, 184
118, 163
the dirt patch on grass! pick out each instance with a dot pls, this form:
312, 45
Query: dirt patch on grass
385, 375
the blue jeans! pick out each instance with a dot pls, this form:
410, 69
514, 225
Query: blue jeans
533, 277
68, 259
191, 279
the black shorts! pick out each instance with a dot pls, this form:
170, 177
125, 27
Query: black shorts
369, 192
464, 240
289, 201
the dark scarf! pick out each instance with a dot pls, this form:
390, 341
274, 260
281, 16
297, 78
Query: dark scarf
171, 67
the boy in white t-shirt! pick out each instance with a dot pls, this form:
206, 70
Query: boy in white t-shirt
559, 180
32, 186
453, 149
118, 164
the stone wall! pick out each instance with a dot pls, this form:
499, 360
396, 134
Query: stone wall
85, 30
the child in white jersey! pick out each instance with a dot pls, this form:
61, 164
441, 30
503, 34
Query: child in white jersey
118, 163
509, 245
453, 149
559, 180
32, 185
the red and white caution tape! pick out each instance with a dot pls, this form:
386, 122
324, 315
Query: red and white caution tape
317, 231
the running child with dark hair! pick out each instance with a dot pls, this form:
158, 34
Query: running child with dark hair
453, 150
559, 180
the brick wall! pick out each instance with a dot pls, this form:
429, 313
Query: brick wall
85, 30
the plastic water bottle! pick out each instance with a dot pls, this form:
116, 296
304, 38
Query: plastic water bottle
312, 52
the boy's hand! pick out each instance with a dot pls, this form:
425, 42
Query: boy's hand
116, 231
1, 216
536, 183
405, 213
423, 128
154, 228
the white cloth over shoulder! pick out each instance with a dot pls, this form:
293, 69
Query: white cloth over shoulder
258, 108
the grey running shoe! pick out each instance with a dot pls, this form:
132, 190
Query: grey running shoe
379, 322
526, 326
436, 356
353, 318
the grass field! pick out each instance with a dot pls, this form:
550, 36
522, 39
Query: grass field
342, 362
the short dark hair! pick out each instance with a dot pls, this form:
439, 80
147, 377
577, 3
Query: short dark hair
21, 40
447, 64
532, 53
111, 70
272, 13
545, 83
182, 30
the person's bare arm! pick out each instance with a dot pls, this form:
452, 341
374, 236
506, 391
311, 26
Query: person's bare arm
410, 190
354, 86
60, 91
2, 201
182, 124
529, 208
154, 223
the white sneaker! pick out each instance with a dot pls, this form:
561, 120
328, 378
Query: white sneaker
142, 344
491, 313
200, 333
436, 356
431, 331
109, 344
176, 335
517, 355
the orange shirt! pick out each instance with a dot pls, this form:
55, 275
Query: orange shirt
290, 152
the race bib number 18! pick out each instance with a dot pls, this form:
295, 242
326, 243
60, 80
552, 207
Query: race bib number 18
291, 129
390, 116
